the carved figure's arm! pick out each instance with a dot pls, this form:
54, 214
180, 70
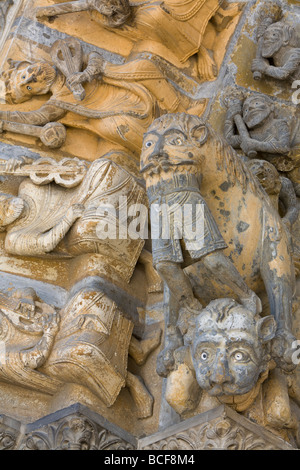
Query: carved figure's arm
282, 73
94, 69
288, 197
229, 131
277, 144
47, 113
36, 356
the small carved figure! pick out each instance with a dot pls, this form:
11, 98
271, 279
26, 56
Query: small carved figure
116, 101
42, 219
278, 51
252, 125
201, 159
87, 343
279, 188
176, 30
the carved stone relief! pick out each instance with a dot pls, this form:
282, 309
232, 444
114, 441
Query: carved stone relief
149, 219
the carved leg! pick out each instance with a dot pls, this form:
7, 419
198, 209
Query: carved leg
154, 281
35, 357
224, 270
141, 397
182, 292
280, 292
140, 350
277, 403
48, 241
178, 283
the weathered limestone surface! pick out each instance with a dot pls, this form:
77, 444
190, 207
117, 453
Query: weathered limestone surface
149, 225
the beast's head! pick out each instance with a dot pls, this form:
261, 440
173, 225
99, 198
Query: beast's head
230, 349
172, 140
23, 80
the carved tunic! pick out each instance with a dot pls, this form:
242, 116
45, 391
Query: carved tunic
187, 222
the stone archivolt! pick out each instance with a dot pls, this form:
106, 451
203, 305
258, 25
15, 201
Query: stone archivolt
115, 105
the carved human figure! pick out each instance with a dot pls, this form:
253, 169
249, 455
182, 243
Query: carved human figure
184, 160
35, 229
265, 135
280, 53
154, 25
45, 349
117, 103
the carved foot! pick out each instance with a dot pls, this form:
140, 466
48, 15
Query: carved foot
282, 350
165, 360
140, 350
252, 303
141, 397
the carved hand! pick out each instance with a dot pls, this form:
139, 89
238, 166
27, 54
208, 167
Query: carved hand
27, 309
248, 145
234, 108
75, 211
51, 323
76, 79
15, 163
259, 65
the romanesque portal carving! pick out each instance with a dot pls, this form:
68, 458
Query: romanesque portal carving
149, 217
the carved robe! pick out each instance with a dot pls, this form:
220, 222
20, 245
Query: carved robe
177, 25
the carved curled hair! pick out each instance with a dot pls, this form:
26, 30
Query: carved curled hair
45, 71
117, 12
186, 122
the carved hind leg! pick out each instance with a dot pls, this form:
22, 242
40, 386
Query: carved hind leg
280, 291
140, 350
141, 397
224, 270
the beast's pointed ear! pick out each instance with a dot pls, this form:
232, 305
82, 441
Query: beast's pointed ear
266, 328
200, 134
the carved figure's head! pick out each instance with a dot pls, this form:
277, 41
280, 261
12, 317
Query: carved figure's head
172, 140
276, 36
267, 175
10, 209
256, 109
231, 347
24, 80
115, 11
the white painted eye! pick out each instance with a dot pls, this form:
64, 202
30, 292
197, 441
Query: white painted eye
240, 356
204, 356
29, 88
148, 143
